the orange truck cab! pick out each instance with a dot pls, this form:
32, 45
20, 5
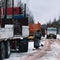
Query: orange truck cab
33, 28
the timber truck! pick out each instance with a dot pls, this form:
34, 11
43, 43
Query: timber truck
10, 42
52, 32
12, 35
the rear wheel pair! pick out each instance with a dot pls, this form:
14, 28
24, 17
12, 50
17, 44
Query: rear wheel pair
51, 37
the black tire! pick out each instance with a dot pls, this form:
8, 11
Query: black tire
47, 37
43, 35
55, 37
7, 49
2, 51
36, 47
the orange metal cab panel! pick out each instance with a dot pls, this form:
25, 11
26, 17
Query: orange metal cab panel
33, 28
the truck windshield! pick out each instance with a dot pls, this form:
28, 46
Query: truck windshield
51, 29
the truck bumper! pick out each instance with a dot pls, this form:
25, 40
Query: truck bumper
51, 36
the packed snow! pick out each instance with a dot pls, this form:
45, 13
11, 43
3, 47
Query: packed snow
20, 56
53, 54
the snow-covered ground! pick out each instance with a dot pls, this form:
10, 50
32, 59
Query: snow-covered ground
53, 54
20, 56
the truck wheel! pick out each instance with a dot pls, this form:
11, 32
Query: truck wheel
2, 51
43, 35
7, 49
55, 37
36, 47
47, 36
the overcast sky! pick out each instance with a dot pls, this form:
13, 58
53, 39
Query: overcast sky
44, 10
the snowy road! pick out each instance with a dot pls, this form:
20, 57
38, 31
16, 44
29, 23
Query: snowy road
50, 51
20, 56
54, 53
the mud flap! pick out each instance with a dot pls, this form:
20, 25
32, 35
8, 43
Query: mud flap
7, 49
23, 45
